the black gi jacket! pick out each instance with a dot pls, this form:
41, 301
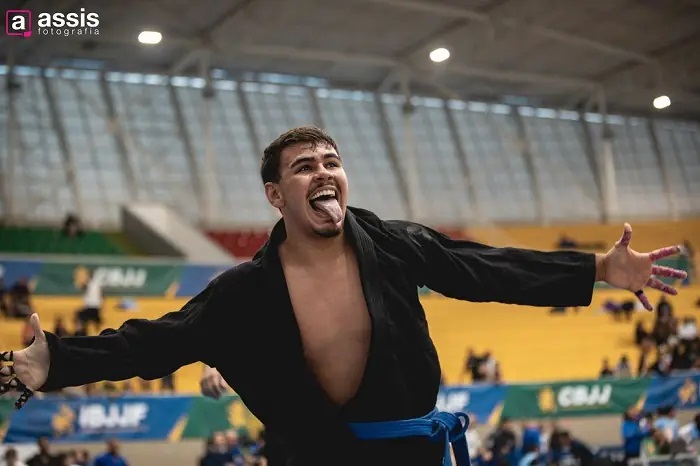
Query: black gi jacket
264, 362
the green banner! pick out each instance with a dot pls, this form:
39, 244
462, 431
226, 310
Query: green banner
575, 398
117, 278
207, 416
6, 409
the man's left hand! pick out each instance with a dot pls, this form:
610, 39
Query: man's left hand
625, 268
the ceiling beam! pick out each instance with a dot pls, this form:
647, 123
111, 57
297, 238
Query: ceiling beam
204, 36
391, 63
550, 33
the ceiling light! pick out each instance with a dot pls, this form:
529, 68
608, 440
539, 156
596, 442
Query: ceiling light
662, 101
150, 37
439, 55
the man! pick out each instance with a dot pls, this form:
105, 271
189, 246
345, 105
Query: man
333, 293
111, 457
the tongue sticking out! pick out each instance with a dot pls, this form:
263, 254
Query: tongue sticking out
331, 208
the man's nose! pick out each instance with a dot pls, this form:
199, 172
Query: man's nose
323, 174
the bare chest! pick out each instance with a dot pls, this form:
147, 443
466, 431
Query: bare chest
334, 323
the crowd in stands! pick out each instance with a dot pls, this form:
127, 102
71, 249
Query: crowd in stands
536, 444
655, 434
481, 368
228, 449
672, 344
15, 301
45, 457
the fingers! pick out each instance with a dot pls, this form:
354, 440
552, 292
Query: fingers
664, 252
213, 387
626, 237
661, 271
36, 328
644, 300
659, 285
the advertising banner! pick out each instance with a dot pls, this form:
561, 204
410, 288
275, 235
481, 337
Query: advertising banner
481, 401
126, 418
575, 398
117, 278
680, 390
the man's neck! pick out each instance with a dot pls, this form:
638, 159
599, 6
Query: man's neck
305, 249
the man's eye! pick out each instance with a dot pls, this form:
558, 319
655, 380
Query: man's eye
332, 164
304, 168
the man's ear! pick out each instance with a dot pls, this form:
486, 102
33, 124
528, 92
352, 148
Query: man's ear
274, 195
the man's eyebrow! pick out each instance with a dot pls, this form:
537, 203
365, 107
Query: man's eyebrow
308, 158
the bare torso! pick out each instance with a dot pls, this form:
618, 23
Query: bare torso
334, 322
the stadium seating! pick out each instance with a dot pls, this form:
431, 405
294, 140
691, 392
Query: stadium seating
241, 244
38, 240
646, 235
533, 344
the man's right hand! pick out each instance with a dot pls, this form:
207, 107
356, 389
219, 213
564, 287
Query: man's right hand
30, 366
213, 384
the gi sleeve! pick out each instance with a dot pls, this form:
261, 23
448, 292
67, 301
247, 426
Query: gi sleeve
149, 349
472, 271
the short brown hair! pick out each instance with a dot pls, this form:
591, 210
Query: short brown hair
270, 166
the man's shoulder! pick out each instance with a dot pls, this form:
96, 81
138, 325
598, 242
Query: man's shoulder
242, 271
368, 218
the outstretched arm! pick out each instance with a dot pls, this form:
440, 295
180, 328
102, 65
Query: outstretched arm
476, 272
148, 349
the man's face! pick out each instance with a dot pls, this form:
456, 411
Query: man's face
312, 190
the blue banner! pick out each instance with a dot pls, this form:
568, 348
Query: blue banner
196, 277
13, 270
93, 419
481, 401
679, 390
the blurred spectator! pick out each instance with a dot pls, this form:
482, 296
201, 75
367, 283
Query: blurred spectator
656, 444
167, 384
690, 432
92, 302
606, 371
80, 330
258, 451
681, 357
571, 451
111, 457
662, 365
44, 456
634, 430
622, 370
488, 367
59, 328
688, 330
72, 226
216, 453
645, 357
4, 308
664, 308
502, 442
666, 422
11, 458
531, 436
20, 304
640, 333
471, 366
234, 448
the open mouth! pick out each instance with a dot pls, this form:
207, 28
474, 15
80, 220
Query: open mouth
320, 198
324, 203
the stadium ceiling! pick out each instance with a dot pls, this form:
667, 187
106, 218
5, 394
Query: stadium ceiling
581, 54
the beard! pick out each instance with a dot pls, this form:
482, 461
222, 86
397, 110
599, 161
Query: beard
331, 232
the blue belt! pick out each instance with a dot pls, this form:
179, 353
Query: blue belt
439, 426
